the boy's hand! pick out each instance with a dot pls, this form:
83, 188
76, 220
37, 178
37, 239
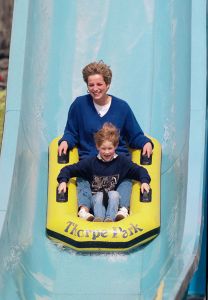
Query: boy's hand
62, 148
147, 149
145, 187
62, 187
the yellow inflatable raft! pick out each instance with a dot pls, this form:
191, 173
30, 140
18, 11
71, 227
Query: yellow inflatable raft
64, 226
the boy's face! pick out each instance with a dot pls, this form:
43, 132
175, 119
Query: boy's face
106, 150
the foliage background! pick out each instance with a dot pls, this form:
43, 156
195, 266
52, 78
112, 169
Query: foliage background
6, 10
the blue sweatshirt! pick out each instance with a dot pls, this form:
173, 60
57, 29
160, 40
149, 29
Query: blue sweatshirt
104, 176
83, 121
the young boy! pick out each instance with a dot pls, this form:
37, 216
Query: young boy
105, 172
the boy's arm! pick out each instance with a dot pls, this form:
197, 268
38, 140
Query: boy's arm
64, 175
136, 172
80, 169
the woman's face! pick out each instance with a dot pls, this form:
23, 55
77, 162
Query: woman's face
98, 89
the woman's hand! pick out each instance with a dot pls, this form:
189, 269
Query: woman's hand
62, 148
145, 187
147, 149
62, 187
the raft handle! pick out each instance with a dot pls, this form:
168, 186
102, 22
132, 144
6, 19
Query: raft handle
62, 197
63, 158
145, 160
146, 197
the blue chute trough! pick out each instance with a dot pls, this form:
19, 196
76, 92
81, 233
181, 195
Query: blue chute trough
157, 51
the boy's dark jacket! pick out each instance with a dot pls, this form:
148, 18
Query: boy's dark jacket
104, 176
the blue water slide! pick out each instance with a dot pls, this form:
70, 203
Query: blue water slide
157, 51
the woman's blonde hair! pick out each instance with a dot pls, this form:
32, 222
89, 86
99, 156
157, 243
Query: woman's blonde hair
97, 68
107, 133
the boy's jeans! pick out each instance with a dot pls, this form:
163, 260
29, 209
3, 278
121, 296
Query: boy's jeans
85, 195
112, 208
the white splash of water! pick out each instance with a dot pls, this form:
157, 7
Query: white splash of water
45, 281
12, 259
149, 8
38, 297
112, 257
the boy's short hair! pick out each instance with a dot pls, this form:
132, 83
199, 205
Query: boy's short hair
97, 68
107, 133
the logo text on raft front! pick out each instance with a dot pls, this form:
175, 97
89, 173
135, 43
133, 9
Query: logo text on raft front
73, 229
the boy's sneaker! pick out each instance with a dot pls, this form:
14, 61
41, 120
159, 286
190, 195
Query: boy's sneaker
121, 214
83, 214
98, 219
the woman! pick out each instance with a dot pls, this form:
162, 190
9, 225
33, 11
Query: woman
87, 114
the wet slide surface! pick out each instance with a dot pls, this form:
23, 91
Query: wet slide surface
157, 69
